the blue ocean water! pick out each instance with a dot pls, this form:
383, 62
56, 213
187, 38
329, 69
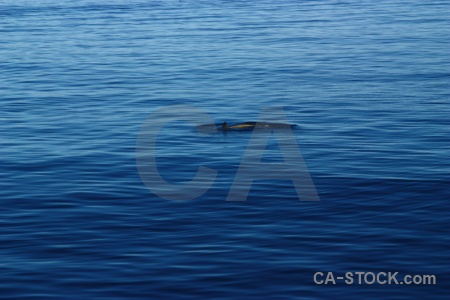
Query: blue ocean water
367, 83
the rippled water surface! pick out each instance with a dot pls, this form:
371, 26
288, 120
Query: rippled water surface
366, 83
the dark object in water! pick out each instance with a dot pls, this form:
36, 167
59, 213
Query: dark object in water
252, 125
246, 126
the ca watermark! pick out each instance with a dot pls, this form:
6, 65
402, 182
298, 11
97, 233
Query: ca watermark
251, 167
389, 278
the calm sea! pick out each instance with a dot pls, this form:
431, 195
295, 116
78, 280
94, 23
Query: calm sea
366, 83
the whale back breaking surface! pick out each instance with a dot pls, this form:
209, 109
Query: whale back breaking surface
245, 126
